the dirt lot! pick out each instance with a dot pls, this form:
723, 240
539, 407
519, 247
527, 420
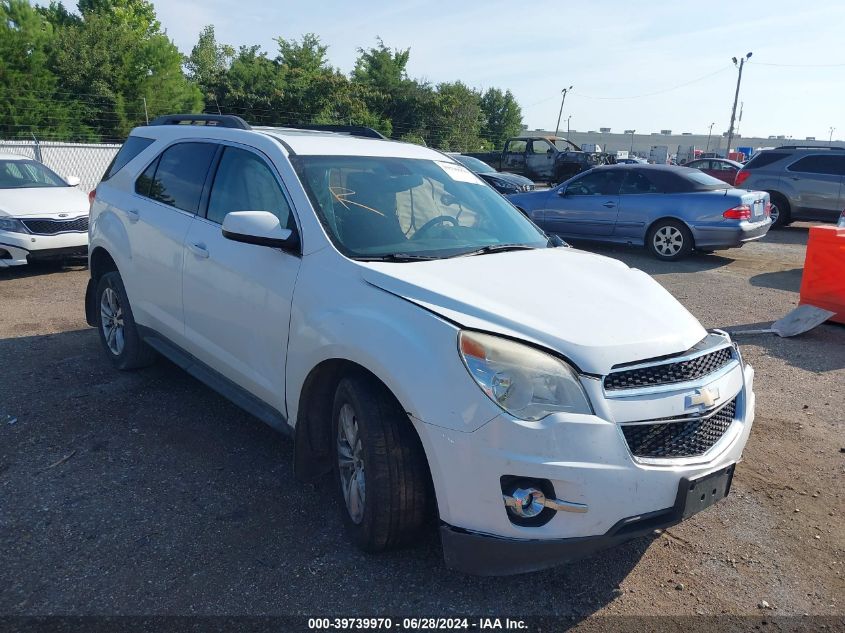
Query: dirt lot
146, 493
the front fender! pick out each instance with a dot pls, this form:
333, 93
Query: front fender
412, 351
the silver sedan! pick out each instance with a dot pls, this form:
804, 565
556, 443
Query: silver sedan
669, 210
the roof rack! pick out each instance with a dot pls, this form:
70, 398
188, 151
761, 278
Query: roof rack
808, 147
352, 130
216, 120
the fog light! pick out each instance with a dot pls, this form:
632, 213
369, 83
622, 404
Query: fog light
525, 502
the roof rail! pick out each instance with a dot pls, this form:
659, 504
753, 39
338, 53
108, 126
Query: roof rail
808, 147
216, 120
352, 130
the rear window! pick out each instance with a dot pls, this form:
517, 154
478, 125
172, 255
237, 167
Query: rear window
820, 164
763, 159
133, 146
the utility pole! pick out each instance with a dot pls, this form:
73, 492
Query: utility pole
567, 125
632, 141
709, 134
560, 114
739, 65
830, 138
146, 115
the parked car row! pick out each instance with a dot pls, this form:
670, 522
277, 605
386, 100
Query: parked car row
426, 345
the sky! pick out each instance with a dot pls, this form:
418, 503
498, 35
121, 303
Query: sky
627, 60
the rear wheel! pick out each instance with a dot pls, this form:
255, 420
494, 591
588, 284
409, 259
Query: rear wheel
780, 212
118, 332
380, 467
669, 240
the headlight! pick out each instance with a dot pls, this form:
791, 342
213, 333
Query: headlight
525, 382
12, 225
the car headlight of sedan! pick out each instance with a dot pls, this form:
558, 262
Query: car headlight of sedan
525, 382
13, 225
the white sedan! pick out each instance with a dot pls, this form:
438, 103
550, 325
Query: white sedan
42, 216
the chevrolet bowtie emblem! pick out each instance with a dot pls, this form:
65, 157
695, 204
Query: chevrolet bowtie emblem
703, 397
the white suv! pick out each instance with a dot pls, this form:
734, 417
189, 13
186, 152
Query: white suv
418, 337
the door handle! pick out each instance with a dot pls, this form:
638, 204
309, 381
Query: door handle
133, 215
609, 205
199, 250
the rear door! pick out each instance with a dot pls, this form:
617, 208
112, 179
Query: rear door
167, 196
817, 181
238, 296
540, 160
587, 205
513, 157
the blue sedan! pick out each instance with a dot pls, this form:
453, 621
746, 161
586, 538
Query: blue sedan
669, 210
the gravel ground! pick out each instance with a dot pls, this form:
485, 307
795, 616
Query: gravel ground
147, 493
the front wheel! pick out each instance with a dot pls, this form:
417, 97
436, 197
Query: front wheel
380, 467
669, 240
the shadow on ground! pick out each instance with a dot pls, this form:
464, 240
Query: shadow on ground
779, 280
36, 269
638, 257
820, 350
147, 493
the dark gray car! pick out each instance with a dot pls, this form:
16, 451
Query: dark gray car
803, 182
669, 210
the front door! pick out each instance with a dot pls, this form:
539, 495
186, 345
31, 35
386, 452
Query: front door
587, 206
513, 157
540, 160
237, 296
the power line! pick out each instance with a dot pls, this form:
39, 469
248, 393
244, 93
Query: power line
657, 92
798, 65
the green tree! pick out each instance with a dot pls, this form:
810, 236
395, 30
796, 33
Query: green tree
252, 87
28, 100
501, 116
456, 122
208, 62
136, 15
381, 68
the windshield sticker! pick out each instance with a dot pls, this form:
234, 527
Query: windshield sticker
459, 173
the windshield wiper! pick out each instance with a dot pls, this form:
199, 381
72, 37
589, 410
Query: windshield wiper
395, 257
497, 248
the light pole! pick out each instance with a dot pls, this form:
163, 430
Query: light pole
560, 114
632, 141
709, 134
830, 138
567, 125
739, 65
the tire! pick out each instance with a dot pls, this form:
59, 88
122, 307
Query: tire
781, 212
116, 325
669, 240
371, 432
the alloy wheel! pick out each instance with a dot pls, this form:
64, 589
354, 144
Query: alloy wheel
668, 241
111, 320
350, 458
774, 213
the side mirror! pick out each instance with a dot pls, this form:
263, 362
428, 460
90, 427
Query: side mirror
562, 192
73, 181
258, 227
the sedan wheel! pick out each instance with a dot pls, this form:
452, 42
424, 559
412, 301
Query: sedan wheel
669, 240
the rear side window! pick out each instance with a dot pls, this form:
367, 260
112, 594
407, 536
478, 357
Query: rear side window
637, 182
178, 176
244, 182
764, 159
820, 164
133, 146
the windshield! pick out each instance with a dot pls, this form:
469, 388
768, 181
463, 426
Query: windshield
22, 174
374, 207
474, 164
564, 146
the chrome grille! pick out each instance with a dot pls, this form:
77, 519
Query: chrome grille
51, 227
679, 437
668, 373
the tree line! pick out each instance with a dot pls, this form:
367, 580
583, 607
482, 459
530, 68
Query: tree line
94, 75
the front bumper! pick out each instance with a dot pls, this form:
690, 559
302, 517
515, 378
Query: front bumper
485, 555
713, 237
587, 461
17, 249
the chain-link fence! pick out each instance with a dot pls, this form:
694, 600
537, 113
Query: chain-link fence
86, 161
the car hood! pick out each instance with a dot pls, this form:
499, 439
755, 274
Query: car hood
594, 310
515, 179
43, 202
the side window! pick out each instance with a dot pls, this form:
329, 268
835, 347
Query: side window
145, 180
244, 182
180, 175
517, 147
817, 164
133, 146
540, 147
597, 183
637, 182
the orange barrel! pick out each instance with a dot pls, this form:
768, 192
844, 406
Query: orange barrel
823, 282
